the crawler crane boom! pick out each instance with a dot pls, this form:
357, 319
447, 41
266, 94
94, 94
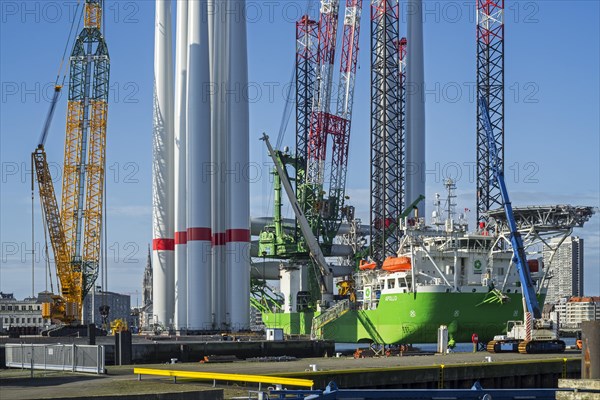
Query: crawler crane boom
75, 230
535, 334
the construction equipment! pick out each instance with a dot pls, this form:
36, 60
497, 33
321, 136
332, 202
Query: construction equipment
75, 230
323, 208
325, 278
388, 131
535, 334
117, 326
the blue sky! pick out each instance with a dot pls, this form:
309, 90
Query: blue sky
552, 115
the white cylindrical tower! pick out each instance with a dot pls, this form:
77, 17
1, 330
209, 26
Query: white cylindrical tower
415, 106
199, 169
219, 77
180, 122
237, 246
162, 169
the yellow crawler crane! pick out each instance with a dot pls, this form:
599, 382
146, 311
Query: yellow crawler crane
75, 230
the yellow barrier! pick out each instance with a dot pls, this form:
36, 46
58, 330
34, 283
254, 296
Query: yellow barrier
215, 376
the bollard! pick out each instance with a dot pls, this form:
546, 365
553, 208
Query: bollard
442, 342
91, 334
590, 352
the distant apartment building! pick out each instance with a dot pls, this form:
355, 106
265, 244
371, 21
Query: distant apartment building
24, 316
573, 311
567, 270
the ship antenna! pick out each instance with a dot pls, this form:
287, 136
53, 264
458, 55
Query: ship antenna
450, 204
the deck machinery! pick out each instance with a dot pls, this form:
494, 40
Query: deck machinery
75, 230
315, 126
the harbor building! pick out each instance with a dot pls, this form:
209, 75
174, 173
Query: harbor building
575, 310
24, 316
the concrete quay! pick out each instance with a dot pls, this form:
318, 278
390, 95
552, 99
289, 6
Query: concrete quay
460, 370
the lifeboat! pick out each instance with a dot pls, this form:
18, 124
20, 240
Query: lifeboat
534, 265
396, 264
367, 266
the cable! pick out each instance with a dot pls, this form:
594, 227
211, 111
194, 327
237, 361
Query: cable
104, 268
48, 254
62, 61
287, 110
32, 231
103, 28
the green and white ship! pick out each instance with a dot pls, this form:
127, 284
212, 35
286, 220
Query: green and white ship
455, 280
442, 276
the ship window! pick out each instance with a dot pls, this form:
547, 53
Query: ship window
391, 283
3, 308
462, 262
474, 290
507, 290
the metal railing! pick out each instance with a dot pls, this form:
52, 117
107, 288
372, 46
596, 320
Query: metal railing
331, 314
56, 357
224, 377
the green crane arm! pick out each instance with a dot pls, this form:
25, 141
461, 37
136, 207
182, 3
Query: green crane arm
311, 241
411, 207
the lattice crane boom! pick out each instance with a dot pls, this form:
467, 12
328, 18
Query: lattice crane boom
341, 123
317, 140
490, 86
75, 230
64, 306
349, 60
307, 39
387, 134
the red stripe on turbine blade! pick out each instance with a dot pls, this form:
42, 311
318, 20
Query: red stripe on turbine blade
238, 235
198, 234
218, 239
180, 237
163, 244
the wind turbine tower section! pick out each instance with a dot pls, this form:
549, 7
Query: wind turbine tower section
163, 241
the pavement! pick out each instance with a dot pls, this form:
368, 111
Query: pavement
120, 380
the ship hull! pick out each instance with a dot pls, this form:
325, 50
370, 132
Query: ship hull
412, 318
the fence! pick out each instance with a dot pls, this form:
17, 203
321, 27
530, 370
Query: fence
57, 357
